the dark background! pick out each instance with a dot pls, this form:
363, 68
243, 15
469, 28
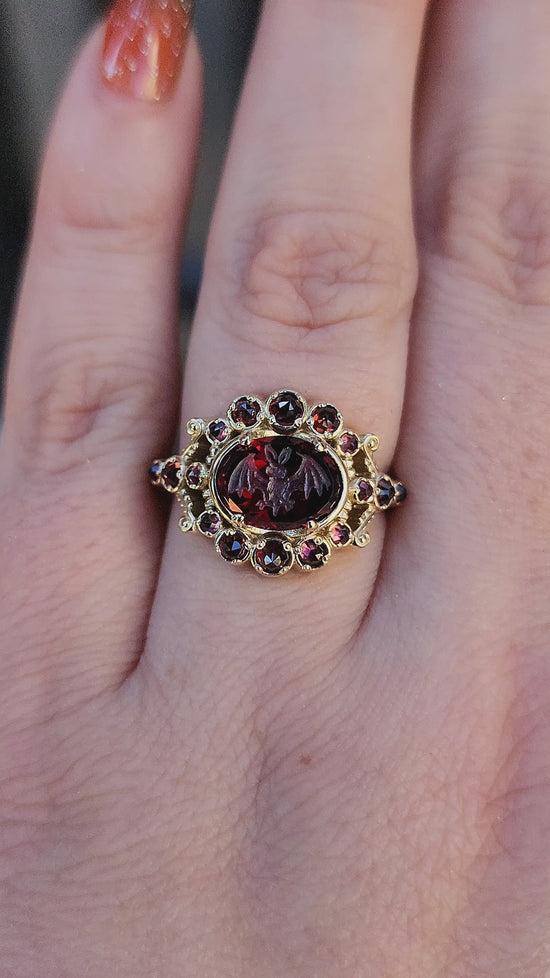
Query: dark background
38, 39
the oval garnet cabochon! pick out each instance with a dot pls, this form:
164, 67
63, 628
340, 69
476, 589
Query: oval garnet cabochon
278, 482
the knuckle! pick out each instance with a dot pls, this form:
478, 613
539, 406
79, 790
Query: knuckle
77, 230
311, 270
86, 400
495, 227
114, 211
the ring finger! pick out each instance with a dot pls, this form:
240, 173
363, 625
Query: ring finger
310, 271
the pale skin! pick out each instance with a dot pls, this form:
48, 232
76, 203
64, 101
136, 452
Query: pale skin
337, 775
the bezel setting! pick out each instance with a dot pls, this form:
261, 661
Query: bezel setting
288, 493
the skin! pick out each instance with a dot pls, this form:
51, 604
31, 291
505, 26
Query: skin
203, 773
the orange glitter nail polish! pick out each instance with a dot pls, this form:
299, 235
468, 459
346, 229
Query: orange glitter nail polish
144, 45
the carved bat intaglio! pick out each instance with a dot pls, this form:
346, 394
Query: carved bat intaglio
274, 484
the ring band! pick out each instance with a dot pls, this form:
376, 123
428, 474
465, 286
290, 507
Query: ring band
277, 483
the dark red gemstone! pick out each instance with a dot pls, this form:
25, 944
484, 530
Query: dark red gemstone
272, 557
233, 547
325, 419
340, 534
400, 493
210, 523
194, 475
348, 443
171, 474
385, 492
313, 553
278, 482
286, 409
218, 430
246, 411
364, 490
155, 472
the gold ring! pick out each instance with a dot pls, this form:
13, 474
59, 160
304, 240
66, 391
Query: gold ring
278, 483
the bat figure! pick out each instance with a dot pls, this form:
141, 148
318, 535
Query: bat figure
276, 487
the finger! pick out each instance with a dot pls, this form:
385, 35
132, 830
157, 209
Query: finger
93, 379
311, 262
311, 265
475, 424
480, 359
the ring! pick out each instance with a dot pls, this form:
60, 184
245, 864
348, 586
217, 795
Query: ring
277, 483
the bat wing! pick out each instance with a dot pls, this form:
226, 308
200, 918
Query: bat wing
246, 477
311, 477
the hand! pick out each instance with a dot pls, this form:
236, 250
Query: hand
340, 775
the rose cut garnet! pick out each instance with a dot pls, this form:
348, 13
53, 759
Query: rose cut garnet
209, 523
340, 534
217, 430
246, 411
325, 419
385, 492
171, 474
233, 547
155, 472
286, 409
400, 493
348, 443
195, 475
272, 556
313, 553
363, 490
278, 482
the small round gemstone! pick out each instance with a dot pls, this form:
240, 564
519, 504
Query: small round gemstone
312, 553
272, 557
210, 523
246, 411
195, 475
171, 474
233, 547
400, 493
217, 431
286, 409
385, 492
363, 490
340, 534
155, 472
348, 443
325, 419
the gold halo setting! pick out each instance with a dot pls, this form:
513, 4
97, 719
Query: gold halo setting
278, 484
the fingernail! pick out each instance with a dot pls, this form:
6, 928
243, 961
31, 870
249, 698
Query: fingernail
144, 47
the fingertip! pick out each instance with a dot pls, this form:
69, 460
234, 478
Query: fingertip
144, 47
117, 161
